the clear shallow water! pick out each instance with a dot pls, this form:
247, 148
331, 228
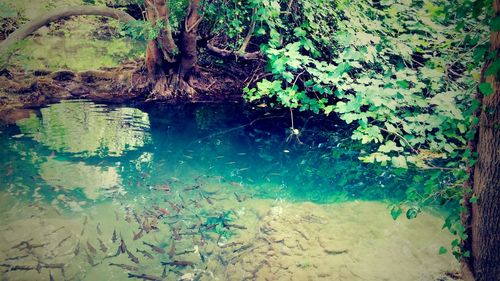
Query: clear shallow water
218, 191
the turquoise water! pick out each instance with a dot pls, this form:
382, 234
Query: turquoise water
191, 180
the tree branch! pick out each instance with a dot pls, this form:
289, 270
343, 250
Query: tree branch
33, 25
244, 45
235, 54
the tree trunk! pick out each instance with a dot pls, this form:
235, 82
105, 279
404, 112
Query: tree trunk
159, 52
188, 46
485, 213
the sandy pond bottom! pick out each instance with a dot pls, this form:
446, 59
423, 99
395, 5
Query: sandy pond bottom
271, 240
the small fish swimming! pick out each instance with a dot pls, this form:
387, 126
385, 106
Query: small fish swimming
64, 240
171, 253
103, 247
77, 249
91, 248
90, 260
123, 247
145, 253
132, 257
178, 263
113, 237
98, 228
125, 266
145, 277
138, 235
51, 278
154, 248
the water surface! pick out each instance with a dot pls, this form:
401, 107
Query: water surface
201, 192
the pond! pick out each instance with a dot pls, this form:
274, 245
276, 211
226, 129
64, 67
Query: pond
201, 192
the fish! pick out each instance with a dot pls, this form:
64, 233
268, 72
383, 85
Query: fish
209, 201
77, 249
113, 237
103, 247
139, 234
145, 253
164, 272
164, 187
117, 216
175, 233
175, 207
98, 227
91, 248
51, 278
238, 198
154, 248
163, 211
125, 266
127, 218
123, 247
64, 240
90, 260
178, 263
145, 277
136, 217
171, 253
132, 257
84, 224
146, 226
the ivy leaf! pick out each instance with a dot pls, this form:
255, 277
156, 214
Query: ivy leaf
486, 89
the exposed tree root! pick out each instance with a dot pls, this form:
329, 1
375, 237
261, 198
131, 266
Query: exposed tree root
127, 82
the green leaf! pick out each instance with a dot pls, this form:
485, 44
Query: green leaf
412, 213
442, 250
486, 89
399, 162
473, 199
495, 24
494, 68
396, 211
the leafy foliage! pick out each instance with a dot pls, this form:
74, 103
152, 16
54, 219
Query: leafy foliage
404, 73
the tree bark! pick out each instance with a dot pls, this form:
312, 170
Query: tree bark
161, 51
33, 25
485, 213
188, 46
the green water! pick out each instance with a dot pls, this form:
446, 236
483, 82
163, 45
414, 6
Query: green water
222, 192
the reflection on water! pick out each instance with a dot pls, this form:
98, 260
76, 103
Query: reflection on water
88, 129
94, 192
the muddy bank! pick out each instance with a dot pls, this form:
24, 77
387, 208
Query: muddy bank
21, 90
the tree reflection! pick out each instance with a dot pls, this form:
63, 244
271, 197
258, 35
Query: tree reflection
88, 129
